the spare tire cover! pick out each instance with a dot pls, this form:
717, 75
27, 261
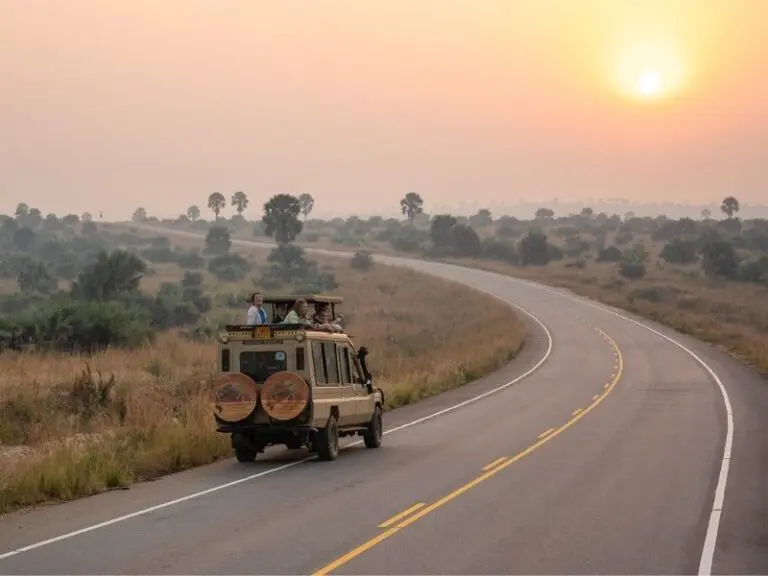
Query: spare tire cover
284, 395
234, 396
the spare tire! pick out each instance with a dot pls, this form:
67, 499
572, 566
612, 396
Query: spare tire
234, 397
284, 395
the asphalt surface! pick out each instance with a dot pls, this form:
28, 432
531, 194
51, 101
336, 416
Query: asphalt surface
614, 438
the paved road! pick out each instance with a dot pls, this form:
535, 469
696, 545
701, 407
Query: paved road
602, 447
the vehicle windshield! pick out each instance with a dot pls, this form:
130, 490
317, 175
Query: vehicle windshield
261, 364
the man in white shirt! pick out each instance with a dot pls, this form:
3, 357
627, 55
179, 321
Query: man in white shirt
256, 314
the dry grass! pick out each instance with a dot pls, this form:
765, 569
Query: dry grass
74, 426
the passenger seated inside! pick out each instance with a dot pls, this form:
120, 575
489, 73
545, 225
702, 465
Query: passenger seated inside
280, 311
322, 319
299, 313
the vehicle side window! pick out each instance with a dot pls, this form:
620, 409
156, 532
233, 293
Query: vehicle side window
225, 360
357, 372
317, 358
344, 362
300, 357
331, 362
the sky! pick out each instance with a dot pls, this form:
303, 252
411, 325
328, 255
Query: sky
108, 105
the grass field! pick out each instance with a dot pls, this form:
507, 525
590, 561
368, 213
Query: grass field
73, 426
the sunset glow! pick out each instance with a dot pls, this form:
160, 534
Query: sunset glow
476, 99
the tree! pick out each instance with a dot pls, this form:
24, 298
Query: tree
140, 215
281, 218
34, 277
110, 275
193, 212
216, 202
34, 218
587, 212
719, 258
482, 219
307, 203
545, 213
228, 267
534, 249
730, 206
679, 251
218, 240
240, 202
87, 217
706, 214
23, 238
22, 209
89, 228
411, 205
440, 229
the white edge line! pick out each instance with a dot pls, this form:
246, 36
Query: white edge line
151, 509
708, 551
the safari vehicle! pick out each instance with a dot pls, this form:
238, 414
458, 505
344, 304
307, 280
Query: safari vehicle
295, 385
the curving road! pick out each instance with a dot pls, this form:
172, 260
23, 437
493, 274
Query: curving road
599, 450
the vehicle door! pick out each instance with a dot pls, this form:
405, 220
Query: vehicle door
358, 391
364, 399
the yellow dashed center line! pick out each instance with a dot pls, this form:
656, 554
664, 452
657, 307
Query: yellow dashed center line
403, 514
418, 511
495, 463
546, 433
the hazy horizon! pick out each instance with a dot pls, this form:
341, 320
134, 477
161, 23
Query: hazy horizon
111, 105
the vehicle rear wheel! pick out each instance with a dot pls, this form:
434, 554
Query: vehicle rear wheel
374, 432
245, 454
327, 440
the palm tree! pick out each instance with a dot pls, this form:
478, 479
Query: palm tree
216, 202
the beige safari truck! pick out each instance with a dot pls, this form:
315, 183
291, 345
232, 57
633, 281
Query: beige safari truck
295, 385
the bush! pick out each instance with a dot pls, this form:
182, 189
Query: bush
229, 267
190, 261
609, 254
362, 260
632, 268
72, 325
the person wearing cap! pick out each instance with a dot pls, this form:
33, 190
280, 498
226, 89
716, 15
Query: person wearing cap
256, 314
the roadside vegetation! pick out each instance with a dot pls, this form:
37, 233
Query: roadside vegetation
706, 276
107, 350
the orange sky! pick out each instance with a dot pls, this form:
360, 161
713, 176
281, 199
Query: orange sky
107, 105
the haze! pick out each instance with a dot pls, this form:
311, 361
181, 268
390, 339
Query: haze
109, 105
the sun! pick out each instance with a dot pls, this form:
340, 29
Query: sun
650, 71
649, 83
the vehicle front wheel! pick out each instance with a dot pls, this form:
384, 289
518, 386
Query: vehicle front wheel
326, 443
374, 432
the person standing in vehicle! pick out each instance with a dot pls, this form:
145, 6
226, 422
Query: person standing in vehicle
256, 314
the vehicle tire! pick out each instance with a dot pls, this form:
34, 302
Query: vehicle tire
245, 454
327, 440
374, 432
